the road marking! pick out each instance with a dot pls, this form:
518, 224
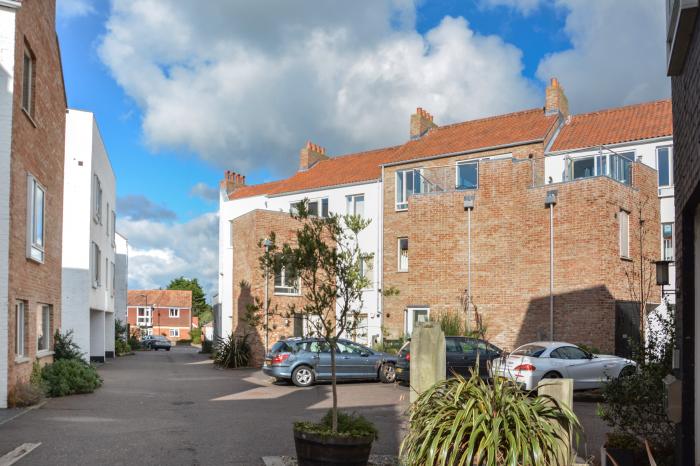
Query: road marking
18, 453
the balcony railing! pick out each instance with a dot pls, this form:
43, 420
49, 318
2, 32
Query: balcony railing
448, 178
615, 165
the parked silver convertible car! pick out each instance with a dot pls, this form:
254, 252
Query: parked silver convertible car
533, 362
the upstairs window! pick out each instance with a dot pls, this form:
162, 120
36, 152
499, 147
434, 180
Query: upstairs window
356, 205
624, 218
28, 75
143, 317
467, 175
667, 241
316, 207
286, 283
174, 313
97, 200
403, 254
664, 165
96, 265
408, 182
36, 199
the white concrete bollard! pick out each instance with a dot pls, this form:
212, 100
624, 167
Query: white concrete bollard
428, 358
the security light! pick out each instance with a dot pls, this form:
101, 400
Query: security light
469, 202
551, 198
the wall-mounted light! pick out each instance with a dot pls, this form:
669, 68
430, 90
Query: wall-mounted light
469, 202
662, 277
551, 198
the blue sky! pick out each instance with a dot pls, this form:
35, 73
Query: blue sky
183, 90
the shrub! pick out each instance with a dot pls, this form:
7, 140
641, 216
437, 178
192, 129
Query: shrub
183, 342
467, 421
24, 394
349, 425
134, 342
388, 346
70, 376
196, 335
232, 352
207, 346
64, 347
451, 324
121, 347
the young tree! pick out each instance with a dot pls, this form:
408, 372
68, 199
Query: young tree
328, 262
200, 308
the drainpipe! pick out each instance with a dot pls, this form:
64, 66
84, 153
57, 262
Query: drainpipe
469, 206
550, 201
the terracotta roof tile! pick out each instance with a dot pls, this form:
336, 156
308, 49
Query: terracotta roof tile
616, 125
160, 298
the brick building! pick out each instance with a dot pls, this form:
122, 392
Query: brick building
32, 132
161, 312
683, 46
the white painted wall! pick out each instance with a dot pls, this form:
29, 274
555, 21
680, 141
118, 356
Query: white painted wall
122, 270
645, 151
369, 240
7, 66
85, 156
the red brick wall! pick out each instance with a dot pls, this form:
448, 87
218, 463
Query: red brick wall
162, 322
37, 148
510, 251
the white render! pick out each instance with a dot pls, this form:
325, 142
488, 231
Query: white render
7, 65
645, 152
122, 279
85, 301
370, 242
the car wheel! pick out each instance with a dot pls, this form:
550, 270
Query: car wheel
154, 348
303, 376
387, 373
552, 375
627, 371
167, 349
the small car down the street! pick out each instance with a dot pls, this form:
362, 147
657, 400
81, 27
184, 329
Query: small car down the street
304, 361
530, 363
160, 342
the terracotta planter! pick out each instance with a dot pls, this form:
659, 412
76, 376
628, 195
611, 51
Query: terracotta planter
317, 450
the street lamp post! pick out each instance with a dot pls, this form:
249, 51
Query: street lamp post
267, 244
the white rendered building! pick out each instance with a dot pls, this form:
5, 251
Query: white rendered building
121, 278
89, 238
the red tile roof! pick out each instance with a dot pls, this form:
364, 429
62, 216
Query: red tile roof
616, 125
471, 135
160, 298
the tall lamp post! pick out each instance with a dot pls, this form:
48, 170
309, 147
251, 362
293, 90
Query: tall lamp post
267, 244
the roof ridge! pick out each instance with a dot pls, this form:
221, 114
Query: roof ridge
624, 107
364, 152
492, 117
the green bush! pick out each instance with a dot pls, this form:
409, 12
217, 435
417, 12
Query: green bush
451, 324
121, 347
388, 346
134, 342
24, 394
196, 335
468, 421
183, 342
349, 425
64, 347
207, 346
70, 376
232, 352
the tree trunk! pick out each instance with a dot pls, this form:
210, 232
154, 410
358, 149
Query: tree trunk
334, 424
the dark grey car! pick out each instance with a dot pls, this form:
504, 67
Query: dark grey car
306, 360
160, 342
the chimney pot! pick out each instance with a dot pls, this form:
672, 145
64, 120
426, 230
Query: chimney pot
310, 155
555, 99
421, 123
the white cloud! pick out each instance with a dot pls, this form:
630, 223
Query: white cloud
74, 8
618, 55
159, 252
245, 88
205, 191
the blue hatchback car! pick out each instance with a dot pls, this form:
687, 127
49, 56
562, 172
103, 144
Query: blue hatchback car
306, 360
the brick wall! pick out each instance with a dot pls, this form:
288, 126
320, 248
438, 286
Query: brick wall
510, 251
37, 148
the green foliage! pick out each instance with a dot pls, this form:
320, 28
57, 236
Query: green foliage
467, 421
634, 404
589, 349
451, 323
388, 346
121, 347
119, 329
349, 425
24, 394
207, 346
622, 441
134, 342
70, 376
199, 302
64, 347
232, 352
196, 335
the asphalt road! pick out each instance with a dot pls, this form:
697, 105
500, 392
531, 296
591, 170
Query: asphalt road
175, 408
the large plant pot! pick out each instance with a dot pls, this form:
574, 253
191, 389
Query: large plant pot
627, 457
318, 450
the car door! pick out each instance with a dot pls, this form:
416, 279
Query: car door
456, 360
320, 353
349, 361
368, 362
585, 371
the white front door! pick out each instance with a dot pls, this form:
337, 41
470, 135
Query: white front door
415, 316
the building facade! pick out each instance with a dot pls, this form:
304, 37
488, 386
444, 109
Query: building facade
121, 285
89, 238
32, 133
166, 313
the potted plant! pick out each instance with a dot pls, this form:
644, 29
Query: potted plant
327, 261
623, 449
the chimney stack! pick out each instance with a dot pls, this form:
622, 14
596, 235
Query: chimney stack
310, 154
232, 181
555, 99
421, 123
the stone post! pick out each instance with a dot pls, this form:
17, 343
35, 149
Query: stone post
561, 390
428, 358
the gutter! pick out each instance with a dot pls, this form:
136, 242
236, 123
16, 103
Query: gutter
322, 188
10, 3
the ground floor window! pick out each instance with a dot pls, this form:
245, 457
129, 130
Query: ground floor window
415, 316
19, 322
43, 327
174, 332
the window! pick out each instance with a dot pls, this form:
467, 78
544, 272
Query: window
286, 283
97, 199
315, 207
174, 313
43, 327
624, 234
582, 168
667, 240
613, 165
143, 317
568, 352
174, 332
621, 167
467, 175
19, 322
96, 265
106, 273
28, 83
36, 198
408, 182
366, 267
664, 165
356, 204
403, 254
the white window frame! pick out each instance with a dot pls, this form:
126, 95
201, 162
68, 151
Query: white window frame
174, 315
664, 256
175, 332
286, 289
670, 167
96, 265
44, 312
106, 273
351, 204
146, 319
366, 271
624, 221
319, 206
109, 218
35, 244
398, 254
401, 205
97, 200
20, 329
28, 82
409, 317
466, 162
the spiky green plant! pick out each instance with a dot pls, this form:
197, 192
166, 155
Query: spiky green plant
233, 351
471, 422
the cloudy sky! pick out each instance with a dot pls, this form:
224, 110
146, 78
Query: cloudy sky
184, 89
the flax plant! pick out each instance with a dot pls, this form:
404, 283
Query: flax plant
467, 421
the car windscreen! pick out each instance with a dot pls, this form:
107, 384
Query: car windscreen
405, 349
282, 347
533, 351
